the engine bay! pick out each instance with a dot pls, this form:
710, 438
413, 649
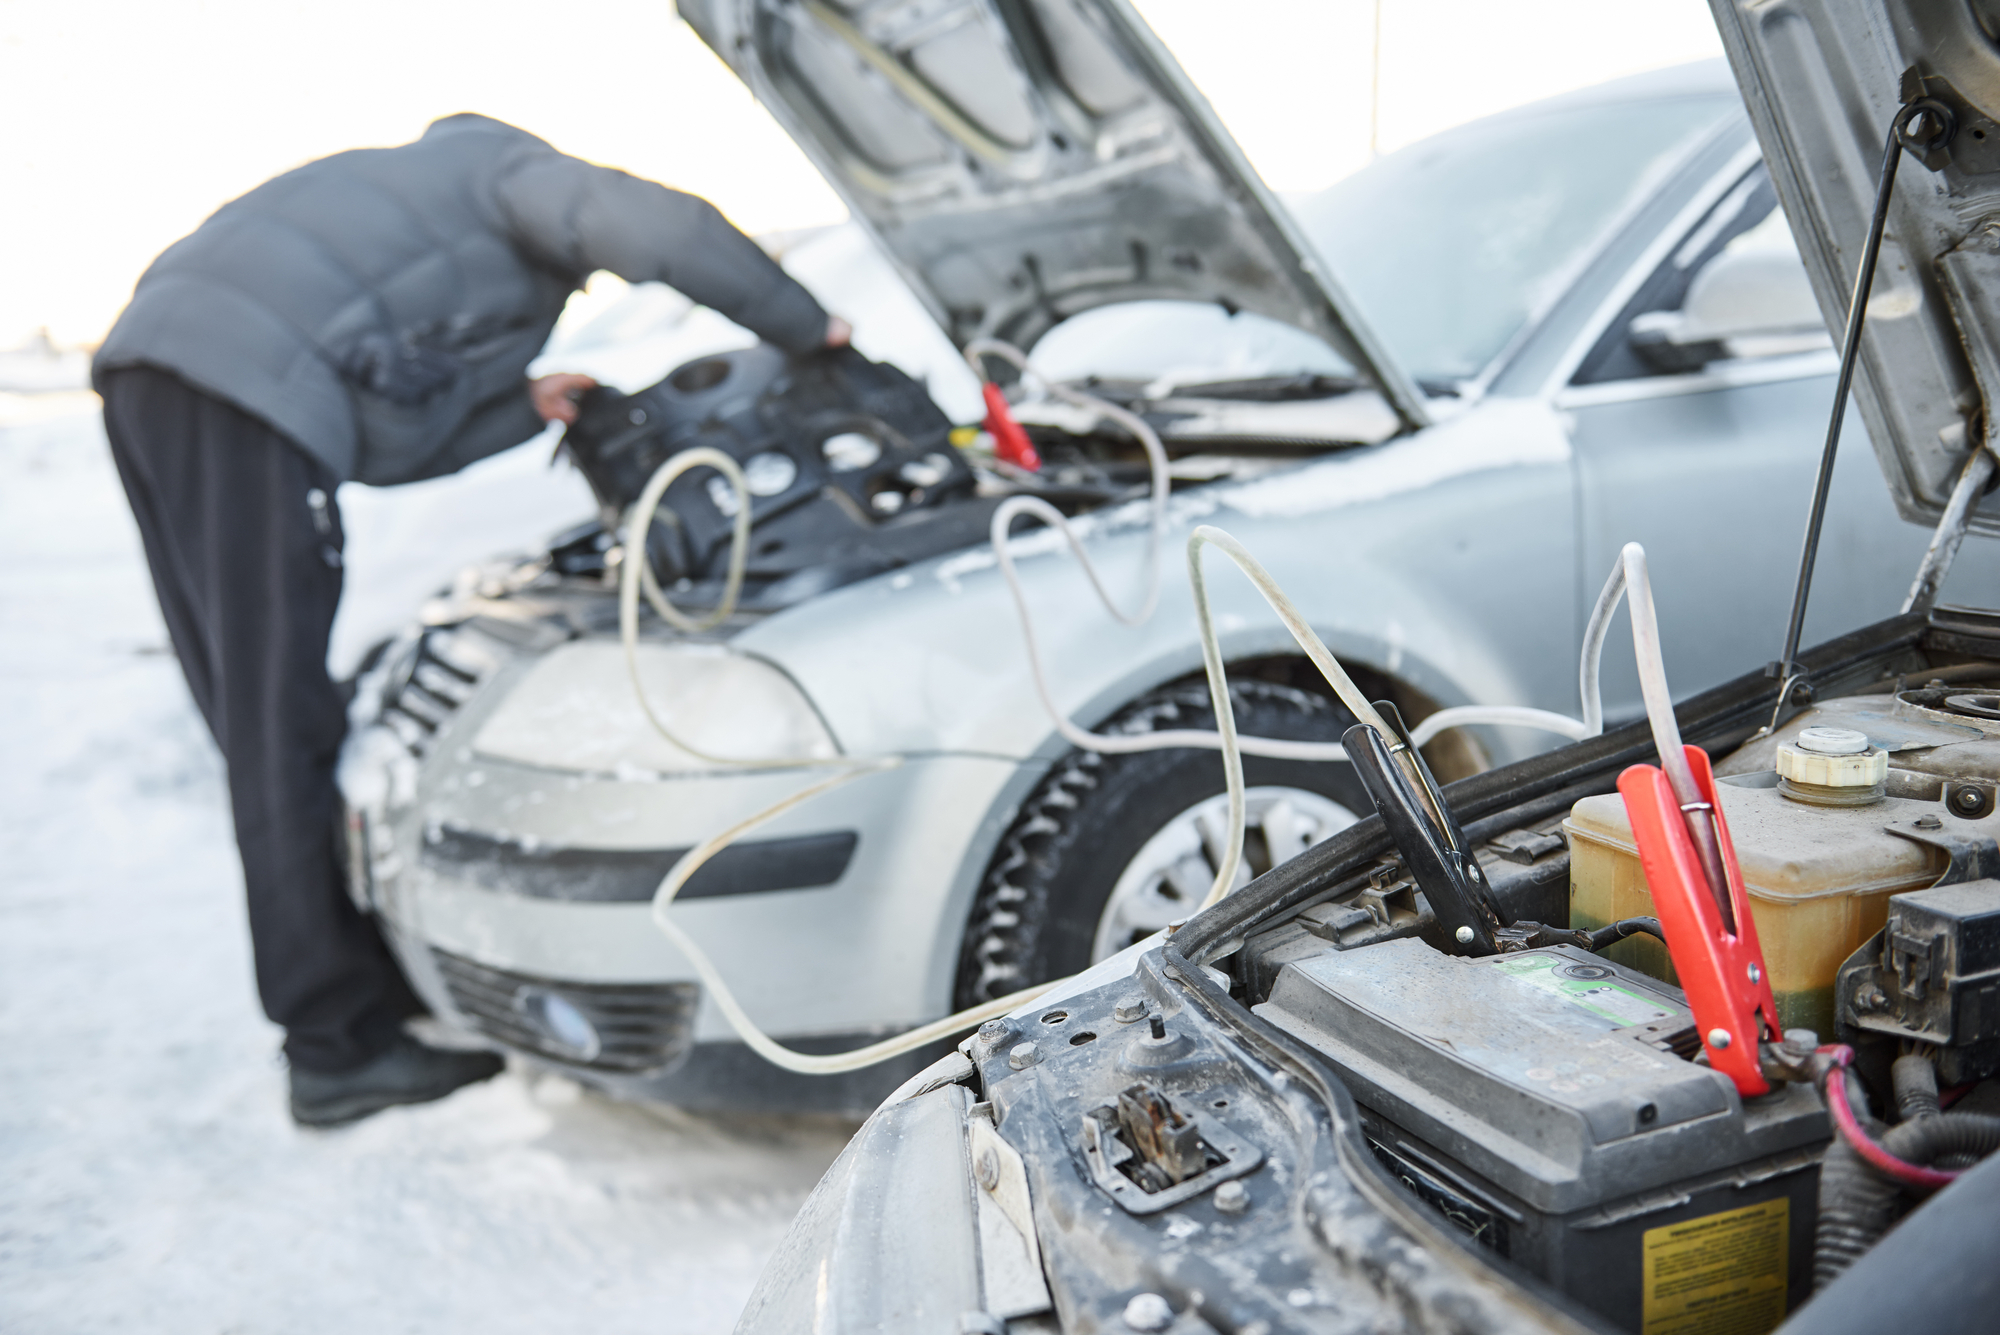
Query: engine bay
1552, 1102
853, 470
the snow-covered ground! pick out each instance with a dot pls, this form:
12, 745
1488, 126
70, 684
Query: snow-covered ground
152, 1179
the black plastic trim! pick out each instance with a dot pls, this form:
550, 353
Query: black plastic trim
642, 1028
631, 875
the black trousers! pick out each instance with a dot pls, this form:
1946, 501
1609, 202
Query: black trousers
244, 541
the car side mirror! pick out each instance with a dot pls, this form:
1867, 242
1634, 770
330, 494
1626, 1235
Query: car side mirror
1751, 300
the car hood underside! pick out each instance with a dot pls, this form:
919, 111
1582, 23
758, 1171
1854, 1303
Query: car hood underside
1824, 83
1022, 162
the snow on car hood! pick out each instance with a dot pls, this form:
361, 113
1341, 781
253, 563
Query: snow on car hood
1506, 434
1025, 162
1823, 84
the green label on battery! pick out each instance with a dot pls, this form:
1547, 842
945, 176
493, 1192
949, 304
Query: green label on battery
1591, 988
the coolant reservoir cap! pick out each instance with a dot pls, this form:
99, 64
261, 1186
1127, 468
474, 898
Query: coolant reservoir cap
1833, 758
1833, 741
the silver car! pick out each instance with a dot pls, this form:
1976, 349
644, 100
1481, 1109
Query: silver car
1433, 400
1317, 1107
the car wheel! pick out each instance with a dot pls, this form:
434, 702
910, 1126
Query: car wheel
1110, 848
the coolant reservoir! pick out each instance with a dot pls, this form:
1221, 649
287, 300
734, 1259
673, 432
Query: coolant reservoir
1816, 860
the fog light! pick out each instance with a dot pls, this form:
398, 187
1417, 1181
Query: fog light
560, 1021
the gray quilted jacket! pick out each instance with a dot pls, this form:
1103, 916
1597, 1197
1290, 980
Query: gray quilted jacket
381, 306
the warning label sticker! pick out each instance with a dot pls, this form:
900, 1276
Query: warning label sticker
1722, 1274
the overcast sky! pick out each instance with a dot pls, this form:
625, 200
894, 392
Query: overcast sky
123, 123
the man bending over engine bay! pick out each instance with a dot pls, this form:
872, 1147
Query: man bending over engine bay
367, 317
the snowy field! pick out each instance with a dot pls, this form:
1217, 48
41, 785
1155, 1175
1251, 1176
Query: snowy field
153, 1181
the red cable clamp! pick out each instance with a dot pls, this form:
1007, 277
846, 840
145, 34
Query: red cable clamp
1010, 443
1721, 971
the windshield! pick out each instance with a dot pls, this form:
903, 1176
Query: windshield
1449, 247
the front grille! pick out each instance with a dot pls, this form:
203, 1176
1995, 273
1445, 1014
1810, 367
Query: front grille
632, 1028
440, 674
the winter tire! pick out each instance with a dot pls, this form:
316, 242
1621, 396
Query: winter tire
1109, 848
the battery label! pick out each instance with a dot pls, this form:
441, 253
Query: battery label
1593, 988
1721, 1274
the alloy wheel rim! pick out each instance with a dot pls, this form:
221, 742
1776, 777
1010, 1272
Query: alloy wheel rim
1170, 875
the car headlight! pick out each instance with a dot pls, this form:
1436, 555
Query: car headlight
576, 710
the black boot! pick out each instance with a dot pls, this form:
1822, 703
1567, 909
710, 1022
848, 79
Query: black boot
409, 1072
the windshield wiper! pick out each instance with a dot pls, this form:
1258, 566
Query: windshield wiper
1270, 388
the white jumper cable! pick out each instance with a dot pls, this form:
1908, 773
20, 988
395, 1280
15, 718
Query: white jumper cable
636, 577
1218, 686
1275, 748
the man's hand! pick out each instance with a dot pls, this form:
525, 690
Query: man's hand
838, 332
554, 396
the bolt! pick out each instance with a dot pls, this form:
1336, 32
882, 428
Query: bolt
1232, 1198
1466, 936
1966, 799
1874, 999
993, 1031
1158, 1027
1148, 1312
1129, 1011
1756, 974
1173, 927
1023, 1055
1928, 823
987, 1169
1801, 1042
1718, 1039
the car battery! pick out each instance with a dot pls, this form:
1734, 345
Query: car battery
1546, 1103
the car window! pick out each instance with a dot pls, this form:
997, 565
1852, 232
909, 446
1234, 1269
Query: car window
1453, 245
1733, 290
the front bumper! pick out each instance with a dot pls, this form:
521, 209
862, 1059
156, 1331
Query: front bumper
646, 1047
842, 916
516, 893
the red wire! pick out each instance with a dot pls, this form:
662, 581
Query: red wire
1915, 1175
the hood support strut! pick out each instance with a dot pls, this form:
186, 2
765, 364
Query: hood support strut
1786, 669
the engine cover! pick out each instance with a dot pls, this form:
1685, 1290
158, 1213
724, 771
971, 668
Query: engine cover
843, 457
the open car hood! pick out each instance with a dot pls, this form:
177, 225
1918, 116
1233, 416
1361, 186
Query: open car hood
1823, 83
1024, 160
